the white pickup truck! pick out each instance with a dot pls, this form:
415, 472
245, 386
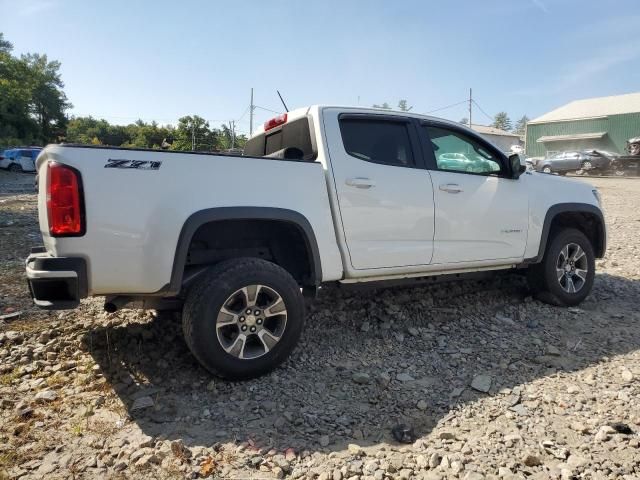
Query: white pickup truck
322, 194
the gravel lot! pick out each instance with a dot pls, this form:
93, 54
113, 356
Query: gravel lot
472, 380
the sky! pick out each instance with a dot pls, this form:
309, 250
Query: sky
160, 60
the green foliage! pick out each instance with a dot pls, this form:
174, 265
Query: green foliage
32, 100
384, 106
464, 121
521, 125
502, 121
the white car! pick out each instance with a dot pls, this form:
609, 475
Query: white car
19, 159
322, 195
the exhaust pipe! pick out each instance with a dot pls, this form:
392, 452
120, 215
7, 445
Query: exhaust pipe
113, 304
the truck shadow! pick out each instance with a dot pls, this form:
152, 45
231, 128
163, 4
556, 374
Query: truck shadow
420, 349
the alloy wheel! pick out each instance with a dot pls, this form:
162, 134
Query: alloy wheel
251, 321
572, 268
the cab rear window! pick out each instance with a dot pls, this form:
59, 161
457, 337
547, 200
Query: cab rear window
292, 134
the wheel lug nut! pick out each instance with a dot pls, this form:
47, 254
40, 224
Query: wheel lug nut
257, 312
243, 328
242, 319
259, 321
248, 311
253, 329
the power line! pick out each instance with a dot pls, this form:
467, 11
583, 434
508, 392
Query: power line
448, 106
267, 109
485, 113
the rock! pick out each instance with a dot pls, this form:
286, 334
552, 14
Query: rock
481, 383
413, 331
421, 461
626, 375
403, 433
621, 428
119, 466
142, 403
147, 460
383, 379
46, 396
434, 460
361, 378
604, 434
404, 377
473, 476
354, 449
446, 436
532, 461
553, 351
422, 405
324, 440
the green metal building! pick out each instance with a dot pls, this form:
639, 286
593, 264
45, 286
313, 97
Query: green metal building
604, 123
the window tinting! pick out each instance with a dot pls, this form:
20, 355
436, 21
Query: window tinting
457, 152
378, 141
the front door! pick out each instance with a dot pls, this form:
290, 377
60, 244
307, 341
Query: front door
385, 199
480, 214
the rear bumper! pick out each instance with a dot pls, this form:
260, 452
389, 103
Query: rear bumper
56, 283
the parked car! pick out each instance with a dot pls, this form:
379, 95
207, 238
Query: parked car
355, 196
20, 159
572, 161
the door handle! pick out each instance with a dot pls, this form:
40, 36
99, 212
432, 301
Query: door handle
450, 188
360, 182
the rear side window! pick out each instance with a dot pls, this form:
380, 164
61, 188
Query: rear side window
292, 134
378, 141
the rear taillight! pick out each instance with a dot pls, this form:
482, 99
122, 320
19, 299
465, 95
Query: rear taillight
64, 201
275, 121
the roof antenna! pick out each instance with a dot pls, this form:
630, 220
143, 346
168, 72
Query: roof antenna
285, 105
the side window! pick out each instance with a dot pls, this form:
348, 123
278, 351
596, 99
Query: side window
457, 152
377, 141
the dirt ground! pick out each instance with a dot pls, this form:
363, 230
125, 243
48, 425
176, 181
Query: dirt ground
472, 380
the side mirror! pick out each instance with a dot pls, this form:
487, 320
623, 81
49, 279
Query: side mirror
515, 166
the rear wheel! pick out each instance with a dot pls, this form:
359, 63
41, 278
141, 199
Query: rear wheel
634, 149
546, 169
14, 167
587, 165
243, 318
565, 275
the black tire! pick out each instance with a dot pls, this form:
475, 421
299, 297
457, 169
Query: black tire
546, 169
15, 168
543, 277
205, 300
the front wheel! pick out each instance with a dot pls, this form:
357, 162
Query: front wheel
566, 274
546, 169
15, 168
243, 318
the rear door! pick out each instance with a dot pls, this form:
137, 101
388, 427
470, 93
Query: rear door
385, 196
480, 214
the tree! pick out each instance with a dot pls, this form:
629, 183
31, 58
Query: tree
521, 125
32, 99
502, 121
402, 106
384, 106
464, 121
193, 133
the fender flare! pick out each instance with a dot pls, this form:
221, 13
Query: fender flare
559, 208
201, 217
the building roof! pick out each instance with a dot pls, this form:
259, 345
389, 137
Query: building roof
564, 138
593, 107
487, 130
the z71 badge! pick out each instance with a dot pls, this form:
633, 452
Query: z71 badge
136, 164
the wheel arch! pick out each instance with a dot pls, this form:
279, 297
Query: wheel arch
220, 214
583, 216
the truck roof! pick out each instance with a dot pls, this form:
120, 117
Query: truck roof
303, 111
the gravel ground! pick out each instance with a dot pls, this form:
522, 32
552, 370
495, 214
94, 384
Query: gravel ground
471, 380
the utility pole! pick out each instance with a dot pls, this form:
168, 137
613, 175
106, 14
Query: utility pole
470, 103
251, 108
193, 135
232, 128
